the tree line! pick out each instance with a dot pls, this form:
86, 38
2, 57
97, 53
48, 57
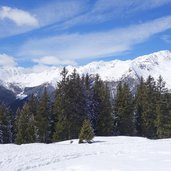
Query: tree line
86, 99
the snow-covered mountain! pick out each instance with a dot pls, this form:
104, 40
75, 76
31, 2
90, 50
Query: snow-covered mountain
155, 64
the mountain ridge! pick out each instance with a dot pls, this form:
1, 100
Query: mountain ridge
158, 63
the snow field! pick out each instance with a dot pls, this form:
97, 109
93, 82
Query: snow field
105, 154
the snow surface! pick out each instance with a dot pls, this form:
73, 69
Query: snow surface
155, 64
105, 154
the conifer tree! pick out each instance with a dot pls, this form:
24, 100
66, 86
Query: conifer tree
140, 100
149, 109
88, 94
60, 106
76, 102
163, 120
103, 109
6, 125
69, 108
25, 125
87, 132
61, 126
42, 121
16, 122
123, 111
32, 103
117, 107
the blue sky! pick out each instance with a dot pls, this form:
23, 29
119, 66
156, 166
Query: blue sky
76, 32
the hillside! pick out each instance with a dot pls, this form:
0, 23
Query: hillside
105, 154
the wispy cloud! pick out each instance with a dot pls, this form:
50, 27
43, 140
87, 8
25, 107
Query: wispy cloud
130, 5
166, 38
68, 13
72, 47
105, 10
60, 11
6, 60
127, 6
53, 60
149, 4
18, 16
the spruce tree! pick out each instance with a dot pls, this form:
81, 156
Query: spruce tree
25, 125
103, 109
149, 109
163, 120
123, 111
76, 102
88, 94
87, 132
32, 103
140, 99
117, 107
6, 125
60, 107
61, 124
69, 108
42, 121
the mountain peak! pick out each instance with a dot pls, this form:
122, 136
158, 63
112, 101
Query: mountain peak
155, 64
156, 56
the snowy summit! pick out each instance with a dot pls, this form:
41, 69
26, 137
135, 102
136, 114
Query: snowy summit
155, 64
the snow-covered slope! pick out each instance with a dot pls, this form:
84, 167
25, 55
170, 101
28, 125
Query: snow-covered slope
105, 154
155, 64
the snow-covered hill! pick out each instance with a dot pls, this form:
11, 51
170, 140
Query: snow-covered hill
105, 154
155, 64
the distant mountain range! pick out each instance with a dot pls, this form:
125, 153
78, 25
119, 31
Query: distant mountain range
18, 83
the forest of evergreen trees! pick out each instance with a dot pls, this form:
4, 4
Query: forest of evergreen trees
86, 99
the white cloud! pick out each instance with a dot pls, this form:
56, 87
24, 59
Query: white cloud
18, 16
72, 47
6, 60
37, 68
48, 14
52, 60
